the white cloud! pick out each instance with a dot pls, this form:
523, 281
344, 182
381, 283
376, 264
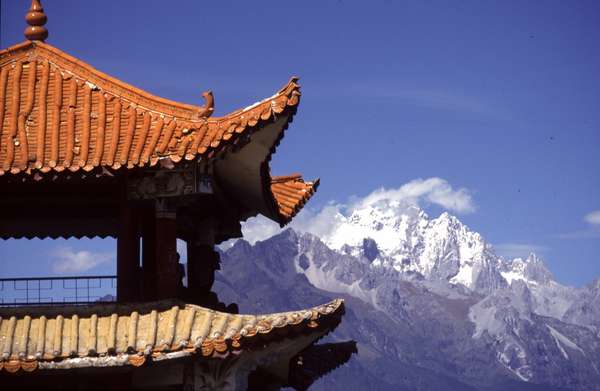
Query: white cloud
582, 234
429, 191
592, 232
418, 192
433, 98
259, 228
67, 260
593, 217
514, 250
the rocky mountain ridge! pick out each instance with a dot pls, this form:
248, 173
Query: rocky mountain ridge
429, 302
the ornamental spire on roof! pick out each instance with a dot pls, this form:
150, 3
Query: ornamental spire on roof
36, 19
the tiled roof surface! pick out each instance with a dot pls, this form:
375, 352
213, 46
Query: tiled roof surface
58, 113
32, 341
291, 193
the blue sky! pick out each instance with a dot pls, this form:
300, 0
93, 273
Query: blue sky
499, 98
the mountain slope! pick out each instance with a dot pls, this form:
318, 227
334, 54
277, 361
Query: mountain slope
434, 308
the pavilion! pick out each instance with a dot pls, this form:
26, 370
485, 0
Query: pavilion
83, 154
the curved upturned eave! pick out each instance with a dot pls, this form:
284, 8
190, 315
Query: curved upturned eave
246, 169
252, 117
282, 196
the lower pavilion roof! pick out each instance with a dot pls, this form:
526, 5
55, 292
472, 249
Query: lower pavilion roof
117, 335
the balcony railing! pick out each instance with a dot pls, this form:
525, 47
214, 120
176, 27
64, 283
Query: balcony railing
57, 290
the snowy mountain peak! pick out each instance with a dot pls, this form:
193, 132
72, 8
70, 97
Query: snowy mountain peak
530, 270
384, 222
404, 238
392, 235
449, 219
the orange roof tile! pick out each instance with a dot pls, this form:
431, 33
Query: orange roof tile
291, 193
58, 113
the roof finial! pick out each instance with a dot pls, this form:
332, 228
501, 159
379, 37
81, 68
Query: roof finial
36, 19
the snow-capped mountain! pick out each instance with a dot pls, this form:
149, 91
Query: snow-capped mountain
407, 240
428, 299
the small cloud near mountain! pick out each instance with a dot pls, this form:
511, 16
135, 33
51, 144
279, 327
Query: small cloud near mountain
66, 260
591, 232
515, 250
420, 192
593, 218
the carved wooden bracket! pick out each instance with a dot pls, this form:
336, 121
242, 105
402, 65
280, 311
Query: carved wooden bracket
162, 183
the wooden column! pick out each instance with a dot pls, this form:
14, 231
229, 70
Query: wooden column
202, 261
149, 254
128, 255
168, 278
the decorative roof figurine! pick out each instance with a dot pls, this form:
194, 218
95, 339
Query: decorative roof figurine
84, 154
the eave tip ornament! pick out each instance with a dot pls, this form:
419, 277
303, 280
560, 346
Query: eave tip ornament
36, 19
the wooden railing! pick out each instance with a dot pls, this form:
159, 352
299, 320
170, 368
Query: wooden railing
57, 290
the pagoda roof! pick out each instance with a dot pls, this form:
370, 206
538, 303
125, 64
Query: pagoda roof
126, 334
59, 113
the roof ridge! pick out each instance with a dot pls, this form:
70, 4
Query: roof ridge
176, 109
